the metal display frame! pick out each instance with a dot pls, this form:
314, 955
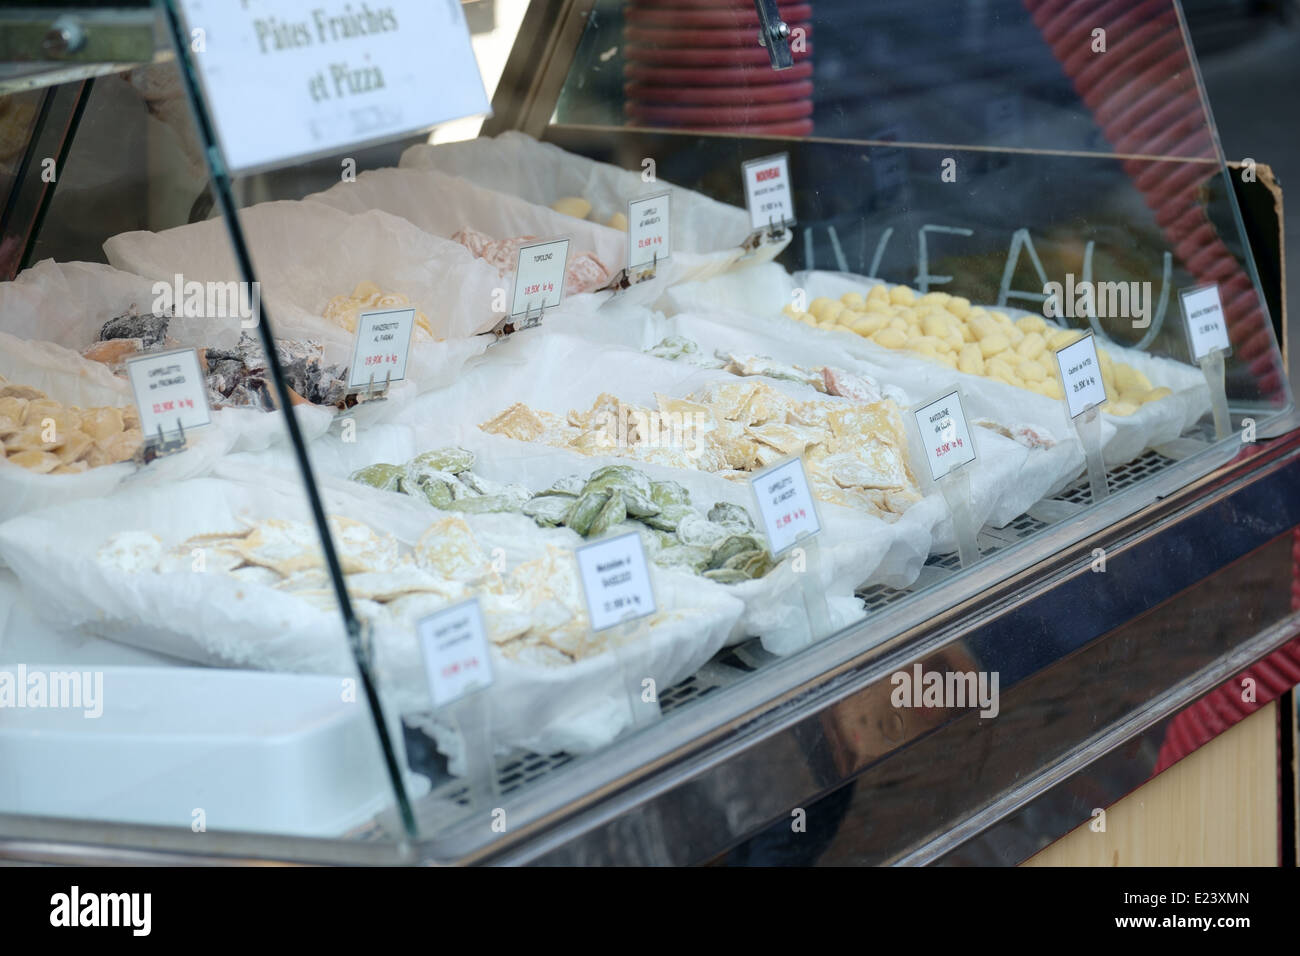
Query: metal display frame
726, 770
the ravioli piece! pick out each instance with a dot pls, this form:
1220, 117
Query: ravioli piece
41, 462
851, 471
102, 422
75, 444
12, 407
594, 443
851, 424
533, 653
576, 640
448, 548
131, 551
285, 547
360, 549
308, 579
526, 424
506, 615
518, 421
554, 576
216, 558
787, 439
726, 399
387, 585
25, 392
604, 413
256, 575
30, 438
765, 405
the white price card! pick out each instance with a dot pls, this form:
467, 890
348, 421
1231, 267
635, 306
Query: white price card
1081, 375
289, 79
767, 191
382, 346
455, 647
649, 231
1206, 328
945, 434
785, 503
616, 580
171, 392
539, 276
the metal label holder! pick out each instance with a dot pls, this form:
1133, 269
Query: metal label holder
773, 232
624, 280
369, 392
162, 446
510, 324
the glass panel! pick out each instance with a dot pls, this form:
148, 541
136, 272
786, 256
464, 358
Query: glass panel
989, 157
171, 653
973, 189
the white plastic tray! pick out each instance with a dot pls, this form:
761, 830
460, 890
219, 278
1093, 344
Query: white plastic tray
251, 752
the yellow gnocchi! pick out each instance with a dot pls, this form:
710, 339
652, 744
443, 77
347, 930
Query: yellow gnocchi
949, 330
993, 344
890, 338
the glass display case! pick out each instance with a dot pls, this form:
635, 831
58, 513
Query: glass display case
779, 433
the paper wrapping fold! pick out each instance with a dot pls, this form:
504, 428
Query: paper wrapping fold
305, 254
706, 234
211, 618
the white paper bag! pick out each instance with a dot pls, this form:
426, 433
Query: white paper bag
305, 254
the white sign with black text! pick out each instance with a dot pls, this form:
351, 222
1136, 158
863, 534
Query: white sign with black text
539, 276
456, 651
1206, 328
785, 503
649, 231
767, 191
1081, 375
383, 344
285, 80
616, 580
945, 435
171, 392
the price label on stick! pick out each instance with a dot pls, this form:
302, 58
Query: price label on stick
171, 392
1203, 314
1081, 375
785, 503
649, 231
382, 346
455, 648
945, 434
539, 276
616, 581
767, 191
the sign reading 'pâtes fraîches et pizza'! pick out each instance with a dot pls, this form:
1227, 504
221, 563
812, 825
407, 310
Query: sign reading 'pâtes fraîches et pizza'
289, 79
